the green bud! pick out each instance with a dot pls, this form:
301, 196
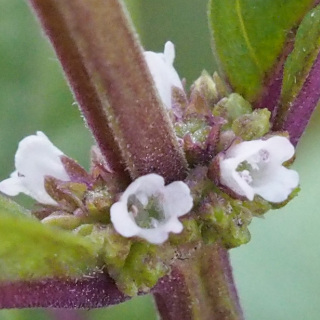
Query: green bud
143, 268
237, 106
98, 203
207, 88
252, 126
84, 230
222, 88
225, 219
232, 107
116, 247
197, 128
63, 221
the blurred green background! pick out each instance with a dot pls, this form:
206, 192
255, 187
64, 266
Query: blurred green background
278, 272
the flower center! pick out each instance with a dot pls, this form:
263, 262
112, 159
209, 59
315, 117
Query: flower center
146, 215
249, 168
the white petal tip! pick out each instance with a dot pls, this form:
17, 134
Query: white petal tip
169, 52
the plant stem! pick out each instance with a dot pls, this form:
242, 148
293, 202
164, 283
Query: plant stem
102, 35
56, 28
301, 108
200, 287
91, 292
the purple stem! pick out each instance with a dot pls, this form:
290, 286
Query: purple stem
303, 105
79, 80
93, 292
172, 297
201, 287
272, 90
108, 53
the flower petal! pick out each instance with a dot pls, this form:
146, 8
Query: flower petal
279, 186
178, 200
145, 185
174, 199
35, 158
13, 186
230, 178
281, 148
123, 221
164, 75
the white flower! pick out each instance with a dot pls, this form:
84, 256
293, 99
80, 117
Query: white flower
35, 158
255, 167
150, 210
164, 74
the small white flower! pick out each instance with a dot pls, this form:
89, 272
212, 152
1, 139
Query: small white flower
164, 74
35, 158
150, 210
255, 167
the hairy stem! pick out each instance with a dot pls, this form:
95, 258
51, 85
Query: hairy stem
92, 292
90, 104
200, 287
271, 93
113, 60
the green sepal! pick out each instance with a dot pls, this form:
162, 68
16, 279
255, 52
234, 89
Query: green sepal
231, 108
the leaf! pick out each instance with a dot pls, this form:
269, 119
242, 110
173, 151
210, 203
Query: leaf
300, 61
30, 250
12, 207
301, 81
249, 38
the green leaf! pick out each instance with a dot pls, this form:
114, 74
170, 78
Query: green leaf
30, 250
300, 61
249, 37
12, 207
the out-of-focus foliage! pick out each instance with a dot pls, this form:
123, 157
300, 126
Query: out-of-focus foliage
249, 37
277, 273
29, 249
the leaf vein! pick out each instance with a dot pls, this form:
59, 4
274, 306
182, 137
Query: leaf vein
245, 35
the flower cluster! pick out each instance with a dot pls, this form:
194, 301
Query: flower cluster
238, 169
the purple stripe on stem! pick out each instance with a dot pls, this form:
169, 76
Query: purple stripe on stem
303, 105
